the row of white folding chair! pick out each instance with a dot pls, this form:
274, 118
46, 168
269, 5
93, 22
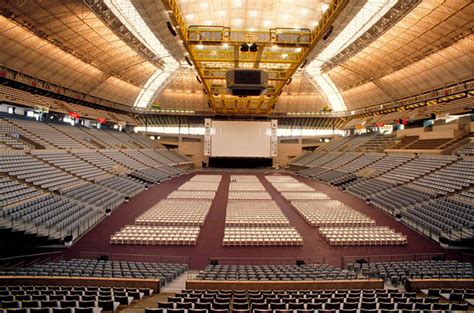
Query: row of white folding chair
306, 195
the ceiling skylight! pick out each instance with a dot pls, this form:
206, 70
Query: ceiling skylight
370, 13
126, 12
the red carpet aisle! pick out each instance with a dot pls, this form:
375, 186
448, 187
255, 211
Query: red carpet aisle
210, 240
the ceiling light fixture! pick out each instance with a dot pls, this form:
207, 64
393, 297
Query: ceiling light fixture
370, 13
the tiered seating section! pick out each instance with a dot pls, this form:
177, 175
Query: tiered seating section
253, 219
339, 224
165, 272
275, 272
432, 192
59, 180
304, 301
69, 299
175, 220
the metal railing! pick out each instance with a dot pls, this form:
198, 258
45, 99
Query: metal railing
135, 257
27, 260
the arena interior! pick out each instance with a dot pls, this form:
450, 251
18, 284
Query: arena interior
247, 156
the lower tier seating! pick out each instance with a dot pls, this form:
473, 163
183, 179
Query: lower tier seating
438, 215
304, 301
165, 272
68, 299
274, 272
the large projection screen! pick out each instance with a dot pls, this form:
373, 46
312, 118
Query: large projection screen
240, 139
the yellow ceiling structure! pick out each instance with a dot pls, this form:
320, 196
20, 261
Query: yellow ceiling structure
101, 48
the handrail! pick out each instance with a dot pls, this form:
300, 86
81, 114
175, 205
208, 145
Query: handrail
35, 256
138, 257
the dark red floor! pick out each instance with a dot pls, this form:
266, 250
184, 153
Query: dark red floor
210, 240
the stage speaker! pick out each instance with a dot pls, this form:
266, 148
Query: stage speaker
171, 28
300, 262
328, 33
103, 258
214, 262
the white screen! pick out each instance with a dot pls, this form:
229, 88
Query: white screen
240, 139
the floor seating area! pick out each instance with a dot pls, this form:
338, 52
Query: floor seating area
165, 272
254, 213
253, 219
330, 213
432, 192
176, 212
304, 301
156, 235
174, 221
338, 223
362, 236
248, 195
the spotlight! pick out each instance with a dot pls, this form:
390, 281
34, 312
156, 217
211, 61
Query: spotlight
253, 47
245, 47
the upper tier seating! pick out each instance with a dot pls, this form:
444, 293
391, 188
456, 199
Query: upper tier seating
123, 159
308, 158
75, 133
12, 191
326, 158
386, 164
173, 156
157, 156
366, 188
390, 199
97, 159
165, 272
455, 176
71, 164
35, 172
416, 168
95, 194
361, 162
142, 158
125, 185
404, 141
47, 133
9, 127
377, 143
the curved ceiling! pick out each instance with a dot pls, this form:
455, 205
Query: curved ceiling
67, 43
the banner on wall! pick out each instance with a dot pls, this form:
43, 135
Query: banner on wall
274, 138
207, 136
